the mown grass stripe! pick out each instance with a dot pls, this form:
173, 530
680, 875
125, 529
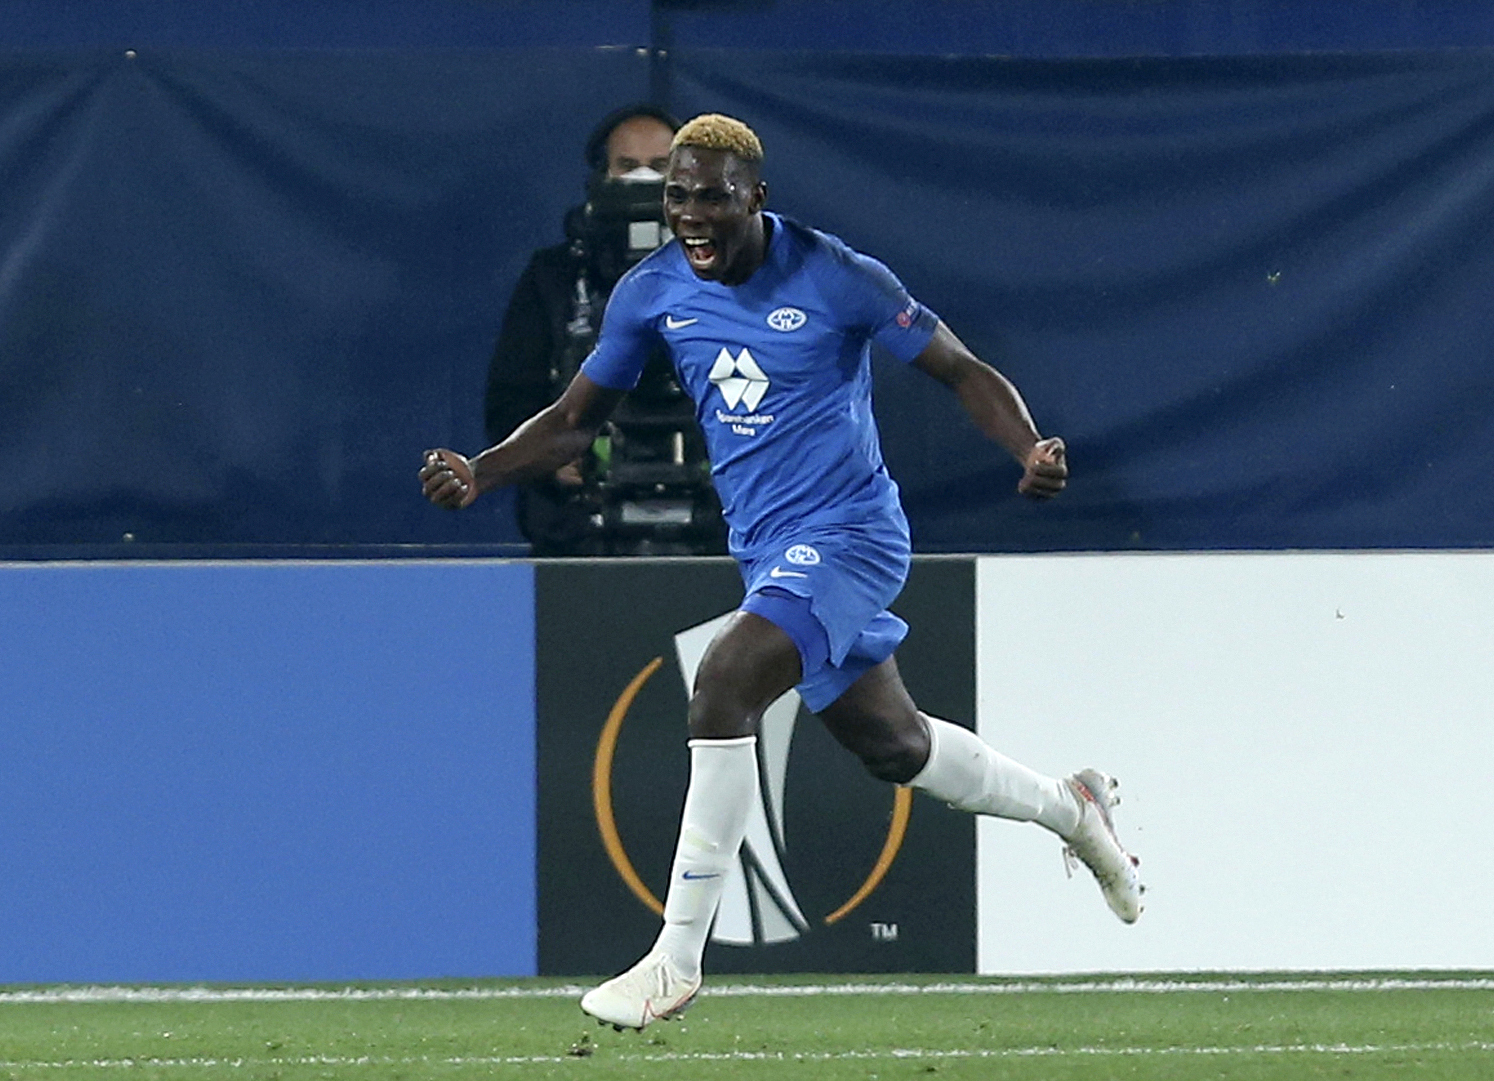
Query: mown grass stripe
755, 1056
1122, 985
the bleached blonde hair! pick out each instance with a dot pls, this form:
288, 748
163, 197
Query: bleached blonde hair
713, 131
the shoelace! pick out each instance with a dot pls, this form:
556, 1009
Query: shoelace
654, 982
1072, 862
661, 980
1071, 858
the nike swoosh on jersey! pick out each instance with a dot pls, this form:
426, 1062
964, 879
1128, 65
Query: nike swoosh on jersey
675, 324
779, 572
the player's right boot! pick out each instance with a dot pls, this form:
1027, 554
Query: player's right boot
652, 990
1095, 844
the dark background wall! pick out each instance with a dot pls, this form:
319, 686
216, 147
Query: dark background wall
1049, 28
253, 256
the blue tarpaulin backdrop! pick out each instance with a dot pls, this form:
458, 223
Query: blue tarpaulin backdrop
239, 293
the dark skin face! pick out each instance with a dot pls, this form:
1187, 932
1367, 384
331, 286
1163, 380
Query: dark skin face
713, 202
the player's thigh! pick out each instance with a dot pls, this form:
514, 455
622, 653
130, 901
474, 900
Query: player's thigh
877, 719
748, 665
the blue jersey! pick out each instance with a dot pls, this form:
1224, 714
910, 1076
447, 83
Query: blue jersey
779, 368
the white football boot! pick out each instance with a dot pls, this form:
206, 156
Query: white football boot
1095, 844
652, 990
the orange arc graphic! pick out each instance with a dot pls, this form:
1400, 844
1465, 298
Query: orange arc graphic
902, 807
601, 795
601, 788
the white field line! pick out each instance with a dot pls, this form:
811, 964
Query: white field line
730, 990
893, 1054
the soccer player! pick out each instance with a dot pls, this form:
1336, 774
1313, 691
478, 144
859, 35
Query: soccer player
770, 326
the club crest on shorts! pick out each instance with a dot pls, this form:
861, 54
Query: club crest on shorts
802, 555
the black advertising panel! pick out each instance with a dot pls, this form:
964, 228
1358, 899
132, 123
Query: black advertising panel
840, 872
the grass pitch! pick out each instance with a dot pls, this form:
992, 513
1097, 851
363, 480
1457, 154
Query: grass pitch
1424, 1026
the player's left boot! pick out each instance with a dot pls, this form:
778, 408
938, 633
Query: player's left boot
652, 990
1095, 844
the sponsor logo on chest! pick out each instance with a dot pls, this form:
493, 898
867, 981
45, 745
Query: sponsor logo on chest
742, 382
740, 378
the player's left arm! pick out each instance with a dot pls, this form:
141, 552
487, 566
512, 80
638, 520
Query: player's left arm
997, 408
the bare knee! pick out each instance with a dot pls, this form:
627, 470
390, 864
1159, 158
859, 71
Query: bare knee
877, 721
899, 755
746, 667
717, 711
892, 748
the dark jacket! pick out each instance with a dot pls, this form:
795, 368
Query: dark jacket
532, 362
548, 329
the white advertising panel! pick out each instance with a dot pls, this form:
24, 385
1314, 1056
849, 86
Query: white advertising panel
1302, 741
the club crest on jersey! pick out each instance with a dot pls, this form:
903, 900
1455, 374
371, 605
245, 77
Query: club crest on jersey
802, 555
739, 378
786, 319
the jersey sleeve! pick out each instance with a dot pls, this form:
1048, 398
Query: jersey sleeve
628, 335
889, 315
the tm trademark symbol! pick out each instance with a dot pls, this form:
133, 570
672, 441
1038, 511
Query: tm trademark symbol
884, 932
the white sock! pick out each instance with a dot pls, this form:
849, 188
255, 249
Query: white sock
967, 773
723, 789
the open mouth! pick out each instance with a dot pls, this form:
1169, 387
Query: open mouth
700, 251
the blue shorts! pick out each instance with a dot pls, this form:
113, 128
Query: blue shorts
830, 595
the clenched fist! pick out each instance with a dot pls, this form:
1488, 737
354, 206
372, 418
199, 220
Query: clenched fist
446, 479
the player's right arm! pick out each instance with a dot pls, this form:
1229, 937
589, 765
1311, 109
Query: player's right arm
562, 431
557, 434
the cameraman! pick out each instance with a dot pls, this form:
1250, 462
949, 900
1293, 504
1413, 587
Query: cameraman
549, 328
